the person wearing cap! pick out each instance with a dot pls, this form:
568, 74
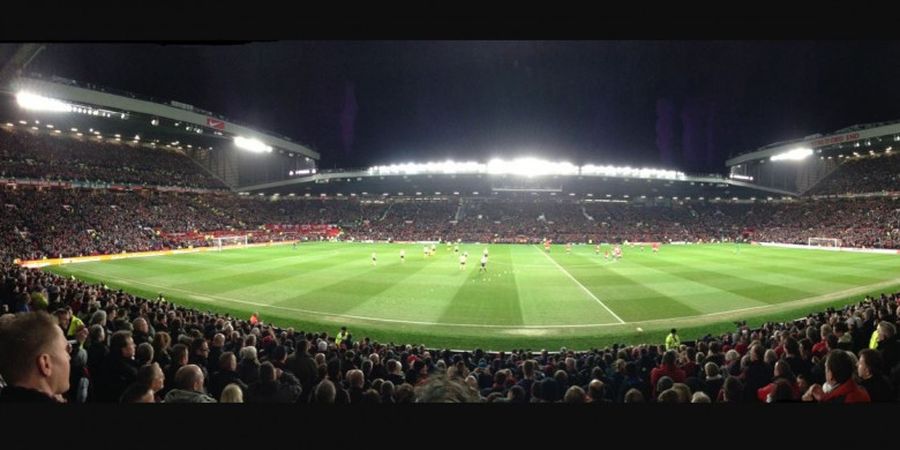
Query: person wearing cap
483, 375
68, 322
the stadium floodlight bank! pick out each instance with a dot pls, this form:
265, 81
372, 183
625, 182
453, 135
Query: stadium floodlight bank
523, 167
224, 241
824, 242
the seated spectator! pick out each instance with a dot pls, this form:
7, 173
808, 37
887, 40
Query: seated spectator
839, 385
782, 392
782, 372
667, 369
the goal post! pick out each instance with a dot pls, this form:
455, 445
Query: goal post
224, 241
824, 242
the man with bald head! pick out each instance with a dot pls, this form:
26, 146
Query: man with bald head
189, 387
35, 358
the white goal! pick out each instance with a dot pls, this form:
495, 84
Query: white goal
223, 241
824, 242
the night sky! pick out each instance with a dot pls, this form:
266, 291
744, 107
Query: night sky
686, 105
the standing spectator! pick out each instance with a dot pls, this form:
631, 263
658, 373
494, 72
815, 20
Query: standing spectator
153, 378
161, 343
302, 365
888, 344
35, 362
189, 387
273, 389
758, 373
119, 368
226, 375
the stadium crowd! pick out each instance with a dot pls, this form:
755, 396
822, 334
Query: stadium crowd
48, 157
862, 175
77, 222
66, 340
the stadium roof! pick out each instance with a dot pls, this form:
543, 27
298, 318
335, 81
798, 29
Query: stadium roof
852, 134
133, 114
363, 183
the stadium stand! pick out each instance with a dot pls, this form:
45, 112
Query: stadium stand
862, 175
844, 355
28, 155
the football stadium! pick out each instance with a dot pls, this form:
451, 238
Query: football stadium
155, 251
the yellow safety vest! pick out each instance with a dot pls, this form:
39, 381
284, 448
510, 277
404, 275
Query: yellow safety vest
74, 324
672, 342
873, 341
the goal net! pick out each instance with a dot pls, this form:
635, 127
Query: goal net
224, 241
824, 242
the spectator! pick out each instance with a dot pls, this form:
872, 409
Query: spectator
302, 365
667, 369
35, 364
119, 368
273, 387
440, 389
700, 397
152, 377
137, 393
575, 394
189, 387
839, 385
226, 375
232, 394
870, 370
888, 344
325, 393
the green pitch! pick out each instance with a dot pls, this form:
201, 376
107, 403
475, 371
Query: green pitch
527, 299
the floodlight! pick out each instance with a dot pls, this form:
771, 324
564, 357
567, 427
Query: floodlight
792, 155
252, 145
39, 103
